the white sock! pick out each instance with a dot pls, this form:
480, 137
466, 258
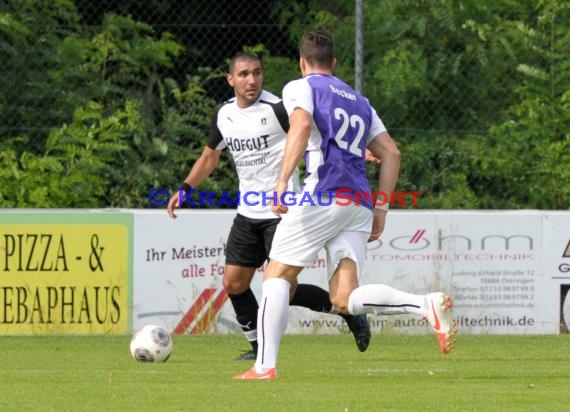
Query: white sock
384, 300
271, 322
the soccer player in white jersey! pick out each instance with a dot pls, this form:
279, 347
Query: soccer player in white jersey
332, 125
253, 126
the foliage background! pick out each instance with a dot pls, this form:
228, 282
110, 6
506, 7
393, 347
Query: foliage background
102, 101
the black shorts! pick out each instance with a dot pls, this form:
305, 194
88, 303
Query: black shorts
249, 241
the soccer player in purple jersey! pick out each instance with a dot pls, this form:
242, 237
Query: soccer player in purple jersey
333, 125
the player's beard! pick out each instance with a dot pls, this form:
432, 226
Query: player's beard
251, 95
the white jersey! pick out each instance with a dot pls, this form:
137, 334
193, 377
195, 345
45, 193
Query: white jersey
255, 137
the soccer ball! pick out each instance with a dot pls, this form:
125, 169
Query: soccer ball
151, 344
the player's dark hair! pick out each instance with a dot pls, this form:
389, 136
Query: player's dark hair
317, 47
243, 56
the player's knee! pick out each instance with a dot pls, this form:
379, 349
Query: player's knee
235, 286
237, 279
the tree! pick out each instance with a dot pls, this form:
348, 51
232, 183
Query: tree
121, 124
99, 102
529, 151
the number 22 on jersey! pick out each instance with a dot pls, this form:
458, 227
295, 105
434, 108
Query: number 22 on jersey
350, 125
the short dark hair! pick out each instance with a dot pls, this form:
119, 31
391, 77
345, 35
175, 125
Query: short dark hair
317, 47
243, 56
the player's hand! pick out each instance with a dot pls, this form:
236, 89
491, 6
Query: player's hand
378, 223
279, 210
370, 157
172, 204
278, 207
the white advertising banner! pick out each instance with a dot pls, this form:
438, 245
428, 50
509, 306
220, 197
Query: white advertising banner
557, 265
508, 272
178, 267
490, 262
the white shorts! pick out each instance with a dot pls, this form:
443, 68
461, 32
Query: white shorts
342, 230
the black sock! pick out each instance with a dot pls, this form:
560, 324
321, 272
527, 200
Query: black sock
245, 307
312, 297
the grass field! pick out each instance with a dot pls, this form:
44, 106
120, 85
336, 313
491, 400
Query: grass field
316, 373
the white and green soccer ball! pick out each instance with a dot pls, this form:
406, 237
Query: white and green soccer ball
151, 344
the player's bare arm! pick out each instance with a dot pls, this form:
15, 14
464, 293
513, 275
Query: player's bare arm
201, 170
384, 147
295, 146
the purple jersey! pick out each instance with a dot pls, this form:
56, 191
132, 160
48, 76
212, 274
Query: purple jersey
344, 123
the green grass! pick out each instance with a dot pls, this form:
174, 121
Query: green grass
316, 373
